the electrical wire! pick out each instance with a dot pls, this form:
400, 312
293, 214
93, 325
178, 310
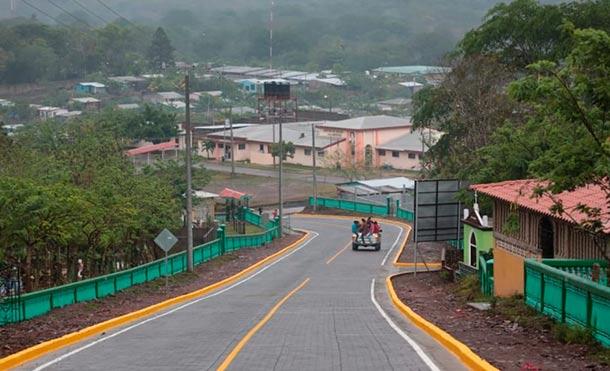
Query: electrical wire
120, 16
47, 14
90, 12
68, 13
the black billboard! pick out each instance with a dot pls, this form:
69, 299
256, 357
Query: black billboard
438, 210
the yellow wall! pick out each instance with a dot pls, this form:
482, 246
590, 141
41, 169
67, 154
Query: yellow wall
508, 272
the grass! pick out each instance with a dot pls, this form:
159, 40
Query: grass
468, 290
250, 229
515, 309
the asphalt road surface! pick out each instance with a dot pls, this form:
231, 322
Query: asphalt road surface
322, 307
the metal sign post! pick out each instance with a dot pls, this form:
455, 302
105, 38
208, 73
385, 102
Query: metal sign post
166, 240
437, 211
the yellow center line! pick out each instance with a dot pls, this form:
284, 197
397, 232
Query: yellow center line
227, 362
338, 253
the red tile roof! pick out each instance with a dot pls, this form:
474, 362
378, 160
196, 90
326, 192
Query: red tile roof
521, 192
152, 148
231, 193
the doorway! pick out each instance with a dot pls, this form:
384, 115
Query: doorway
547, 238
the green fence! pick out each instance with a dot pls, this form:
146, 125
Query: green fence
486, 276
248, 216
363, 207
405, 214
40, 302
569, 298
359, 207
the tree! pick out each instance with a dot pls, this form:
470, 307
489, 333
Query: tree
67, 192
346, 165
469, 105
565, 141
288, 150
208, 146
161, 51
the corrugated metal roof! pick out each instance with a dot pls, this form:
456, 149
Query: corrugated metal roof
408, 70
299, 133
521, 192
152, 148
370, 122
396, 183
412, 141
231, 193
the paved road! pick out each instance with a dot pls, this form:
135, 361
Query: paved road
323, 307
270, 173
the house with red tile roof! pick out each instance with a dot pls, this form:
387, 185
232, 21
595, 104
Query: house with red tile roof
524, 226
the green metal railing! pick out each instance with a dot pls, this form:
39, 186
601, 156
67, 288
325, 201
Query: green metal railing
569, 298
405, 214
359, 207
40, 302
486, 276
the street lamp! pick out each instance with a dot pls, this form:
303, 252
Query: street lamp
330, 106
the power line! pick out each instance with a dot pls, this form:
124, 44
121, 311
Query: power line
68, 13
120, 16
45, 13
90, 12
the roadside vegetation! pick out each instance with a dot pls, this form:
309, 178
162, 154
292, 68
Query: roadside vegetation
68, 194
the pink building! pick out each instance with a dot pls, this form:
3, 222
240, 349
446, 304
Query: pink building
254, 143
406, 151
370, 140
362, 135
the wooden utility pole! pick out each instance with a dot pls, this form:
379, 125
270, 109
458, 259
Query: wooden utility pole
313, 158
189, 176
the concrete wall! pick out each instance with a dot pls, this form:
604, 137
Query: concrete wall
485, 242
508, 272
402, 162
253, 153
374, 138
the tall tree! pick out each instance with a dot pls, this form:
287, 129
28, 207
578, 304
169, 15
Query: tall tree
467, 107
161, 51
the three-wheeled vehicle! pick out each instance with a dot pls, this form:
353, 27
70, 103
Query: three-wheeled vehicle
373, 239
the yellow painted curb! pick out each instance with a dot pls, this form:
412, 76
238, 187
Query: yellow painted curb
52, 345
404, 242
465, 354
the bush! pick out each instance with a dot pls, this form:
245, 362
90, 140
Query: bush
469, 289
573, 334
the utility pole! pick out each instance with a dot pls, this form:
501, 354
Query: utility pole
230, 122
189, 176
313, 157
281, 193
273, 134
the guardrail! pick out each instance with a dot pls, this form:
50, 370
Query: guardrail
359, 207
568, 298
405, 214
40, 302
486, 276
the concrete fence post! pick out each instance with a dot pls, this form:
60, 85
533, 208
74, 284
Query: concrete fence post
222, 238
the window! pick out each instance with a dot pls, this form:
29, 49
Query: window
241, 146
221, 145
473, 250
412, 155
368, 155
307, 151
395, 154
382, 152
269, 148
261, 148
320, 153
